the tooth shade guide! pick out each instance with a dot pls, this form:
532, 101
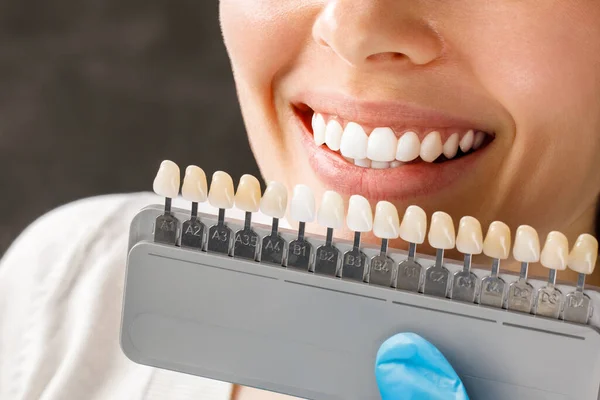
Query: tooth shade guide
436, 277
354, 262
300, 252
382, 269
465, 283
273, 246
245, 242
327, 257
219, 236
520, 293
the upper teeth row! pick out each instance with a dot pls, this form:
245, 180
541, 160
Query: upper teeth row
382, 145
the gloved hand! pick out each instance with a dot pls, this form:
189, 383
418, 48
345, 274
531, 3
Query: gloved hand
408, 367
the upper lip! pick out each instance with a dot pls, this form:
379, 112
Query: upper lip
383, 113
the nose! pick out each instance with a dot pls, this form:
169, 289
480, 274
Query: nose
367, 31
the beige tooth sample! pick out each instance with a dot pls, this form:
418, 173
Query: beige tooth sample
584, 254
441, 232
527, 245
409, 147
274, 200
247, 197
360, 216
431, 147
470, 237
413, 228
382, 145
167, 180
318, 125
195, 187
221, 193
331, 210
333, 135
466, 143
555, 252
386, 224
451, 146
497, 241
302, 205
354, 142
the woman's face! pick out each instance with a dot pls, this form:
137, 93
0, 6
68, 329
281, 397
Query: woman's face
526, 74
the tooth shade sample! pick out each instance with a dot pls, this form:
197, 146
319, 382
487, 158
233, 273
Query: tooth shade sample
247, 197
470, 237
451, 146
555, 252
167, 180
333, 135
414, 225
354, 142
441, 231
409, 147
302, 206
274, 201
318, 125
360, 215
331, 211
386, 224
478, 140
527, 245
194, 187
467, 141
497, 241
382, 145
431, 147
221, 194
584, 254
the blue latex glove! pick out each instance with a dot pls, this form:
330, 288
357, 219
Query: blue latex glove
408, 367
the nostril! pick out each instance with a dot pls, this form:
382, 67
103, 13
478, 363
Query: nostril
390, 56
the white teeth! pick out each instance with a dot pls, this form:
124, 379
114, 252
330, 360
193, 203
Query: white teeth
360, 215
380, 164
478, 140
247, 197
365, 163
414, 225
584, 254
331, 211
431, 147
409, 147
467, 141
354, 141
441, 231
386, 224
555, 252
497, 241
451, 146
333, 135
194, 186
167, 180
382, 145
318, 126
274, 201
527, 245
470, 237
220, 194
302, 206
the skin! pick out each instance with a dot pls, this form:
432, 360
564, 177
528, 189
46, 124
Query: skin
530, 70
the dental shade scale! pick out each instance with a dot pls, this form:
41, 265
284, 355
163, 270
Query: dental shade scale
441, 237
359, 220
383, 270
303, 210
273, 204
496, 246
526, 250
331, 216
413, 230
469, 241
166, 184
549, 300
220, 196
247, 199
582, 259
194, 189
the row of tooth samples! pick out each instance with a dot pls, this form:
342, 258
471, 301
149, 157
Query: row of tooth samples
383, 149
385, 224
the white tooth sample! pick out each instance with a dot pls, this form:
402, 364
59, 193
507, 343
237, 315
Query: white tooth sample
467, 141
360, 215
409, 147
354, 141
527, 245
302, 205
451, 146
333, 135
247, 197
274, 200
441, 231
431, 147
221, 194
395, 164
386, 224
318, 126
382, 145
478, 140
331, 210
555, 252
584, 254
167, 180
195, 187
365, 163
414, 225
380, 164
470, 237
497, 241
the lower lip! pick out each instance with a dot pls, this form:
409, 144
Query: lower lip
391, 184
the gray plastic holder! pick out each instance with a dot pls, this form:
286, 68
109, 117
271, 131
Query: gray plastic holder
317, 337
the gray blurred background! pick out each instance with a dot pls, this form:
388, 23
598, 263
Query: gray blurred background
95, 93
